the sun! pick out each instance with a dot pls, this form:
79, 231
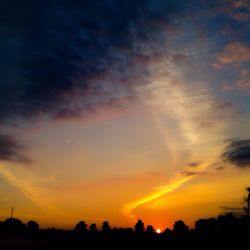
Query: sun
158, 230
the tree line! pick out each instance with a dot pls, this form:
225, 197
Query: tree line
225, 231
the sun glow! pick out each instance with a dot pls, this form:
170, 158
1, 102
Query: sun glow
158, 230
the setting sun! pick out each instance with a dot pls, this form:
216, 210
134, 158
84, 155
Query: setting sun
158, 230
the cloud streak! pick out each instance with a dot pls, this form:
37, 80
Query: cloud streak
11, 150
180, 109
160, 191
237, 152
31, 192
24, 188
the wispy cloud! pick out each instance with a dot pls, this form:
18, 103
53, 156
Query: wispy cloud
180, 108
24, 187
30, 192
160, 191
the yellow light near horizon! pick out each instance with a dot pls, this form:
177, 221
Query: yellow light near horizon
158, 230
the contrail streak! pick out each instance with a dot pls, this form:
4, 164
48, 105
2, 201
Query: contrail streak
177, 182
22, 186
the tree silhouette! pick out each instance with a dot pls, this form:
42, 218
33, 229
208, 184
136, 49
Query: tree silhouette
32, 226
180, 228
92, 228
205, 226
150, 229
225, 231
106, 227
81, 227
13, 225
139, 227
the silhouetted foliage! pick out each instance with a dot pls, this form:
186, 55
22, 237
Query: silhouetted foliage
32, 226
150, 229
93, 229
13, 225
139, 227
222, 233
81, 227
106, 227
226, 223
167, 233
205, 226
180, 228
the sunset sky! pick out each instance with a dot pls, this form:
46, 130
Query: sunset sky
119, 110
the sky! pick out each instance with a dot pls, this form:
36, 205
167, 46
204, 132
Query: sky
124, 110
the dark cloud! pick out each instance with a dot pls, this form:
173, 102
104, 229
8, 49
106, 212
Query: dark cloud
237, 152
220, 168
188, 173
194, 164
231, 208
67, 59
50, 49
236, 211
11, 150
64, 59
222, 105
217, 165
